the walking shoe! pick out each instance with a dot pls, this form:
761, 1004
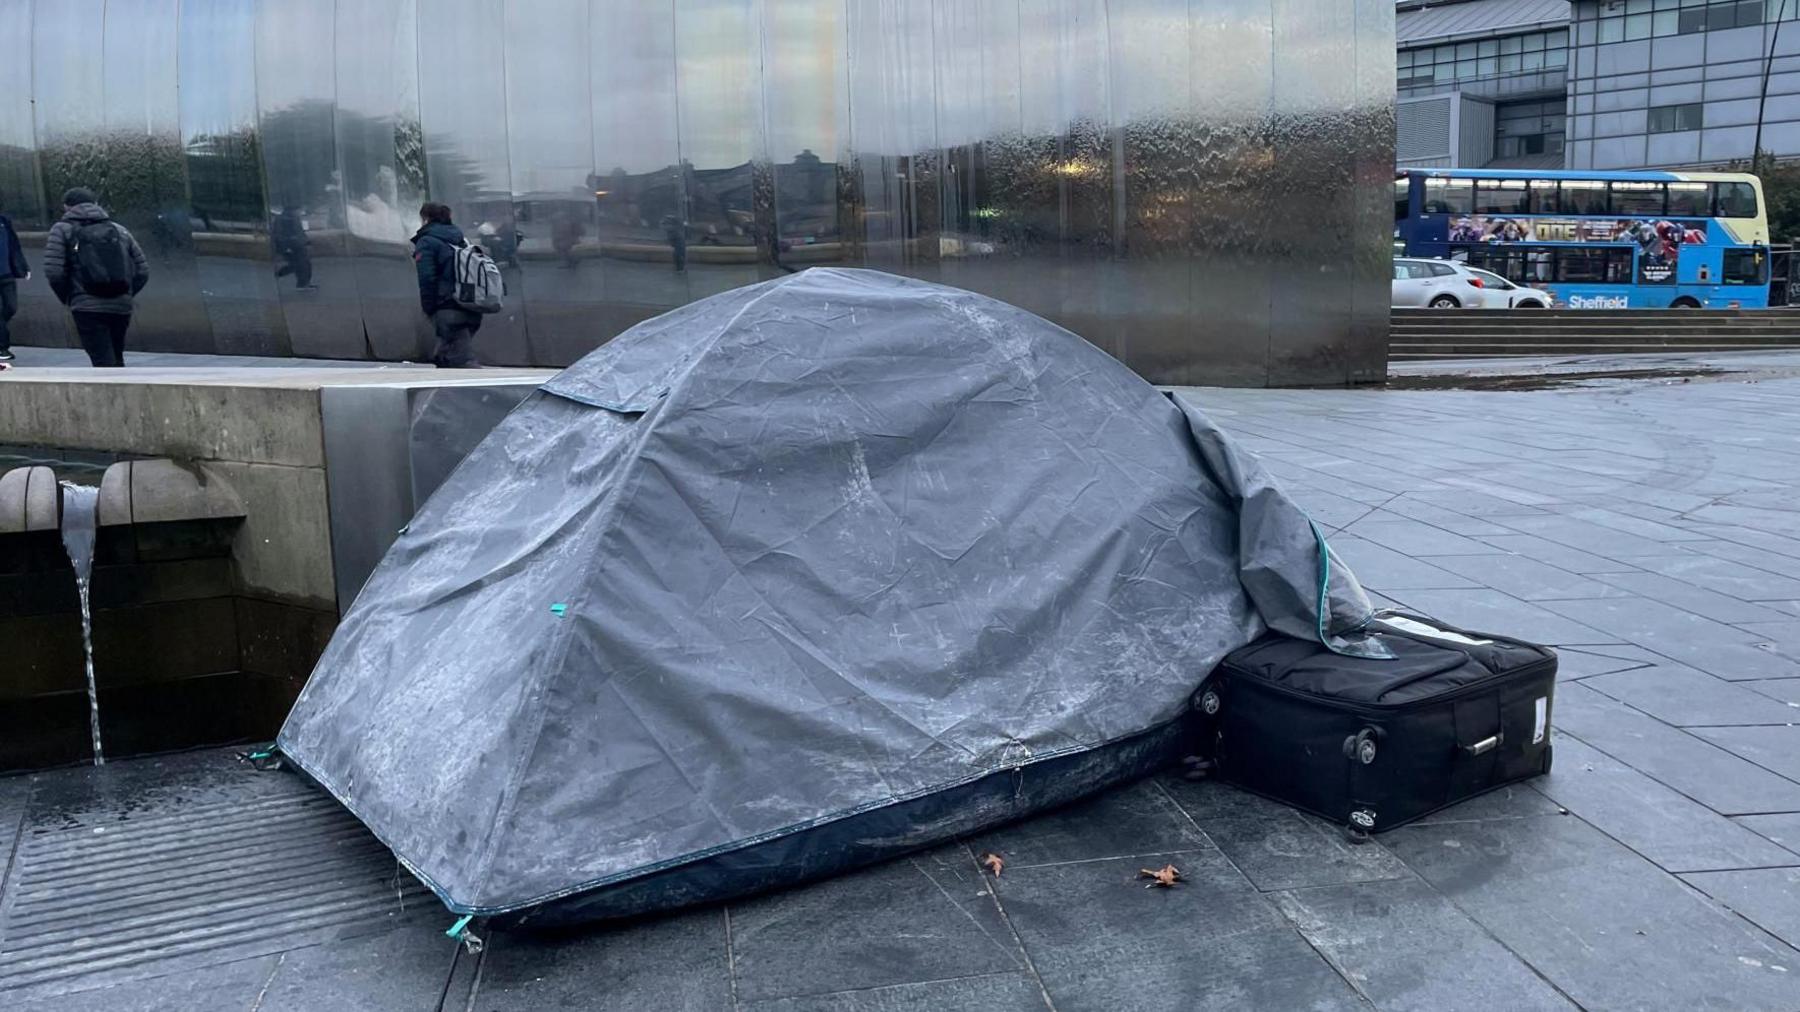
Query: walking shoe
6, 355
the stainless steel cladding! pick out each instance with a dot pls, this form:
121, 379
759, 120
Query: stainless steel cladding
1196, 186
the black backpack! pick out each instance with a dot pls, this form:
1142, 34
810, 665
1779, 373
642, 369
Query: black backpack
99, 259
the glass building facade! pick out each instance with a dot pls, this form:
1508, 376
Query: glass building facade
1194, 185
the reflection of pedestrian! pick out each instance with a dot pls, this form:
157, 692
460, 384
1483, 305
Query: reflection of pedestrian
288, 233
434, 253
676, 233
497, 244
12, 268
96, 269
564, 234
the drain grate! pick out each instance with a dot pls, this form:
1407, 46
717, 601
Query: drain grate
193, 885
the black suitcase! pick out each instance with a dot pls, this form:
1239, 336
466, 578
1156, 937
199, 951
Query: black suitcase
1375, 743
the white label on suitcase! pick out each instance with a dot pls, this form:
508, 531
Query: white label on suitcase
1406, 625
1541, 721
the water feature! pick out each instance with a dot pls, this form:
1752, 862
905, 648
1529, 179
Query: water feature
79, 527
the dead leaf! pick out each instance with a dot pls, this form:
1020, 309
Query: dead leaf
1165, 877
992, 862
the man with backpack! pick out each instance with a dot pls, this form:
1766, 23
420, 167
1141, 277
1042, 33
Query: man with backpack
96, 268
457, 284
13, 269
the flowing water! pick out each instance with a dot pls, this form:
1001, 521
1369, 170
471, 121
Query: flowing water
78, 530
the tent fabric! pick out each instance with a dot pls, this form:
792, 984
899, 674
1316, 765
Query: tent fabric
793, 578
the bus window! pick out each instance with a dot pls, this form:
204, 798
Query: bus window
1402, 189
1605, 264
1500, 196
1637, 198
1543, 197
1737, 200
1690, 200
1583, 196
1616, 265
1449, 196
1743, 266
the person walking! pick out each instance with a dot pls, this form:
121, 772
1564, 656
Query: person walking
13, 269
288, 234
434, 253
96, 269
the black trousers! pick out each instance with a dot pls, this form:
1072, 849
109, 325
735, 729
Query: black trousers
299, 264
103, 336
455, 329
9, 307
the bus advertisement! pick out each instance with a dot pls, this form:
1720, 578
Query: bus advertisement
1596, 240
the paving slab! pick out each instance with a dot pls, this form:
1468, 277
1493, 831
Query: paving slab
1664, 826
1275, 846
1420, 540
1783, 829
1395, 939
1439, 516
1759, 578
1490, 611
1138, 819
1698, 600
1774, 748
1717, 778
680, 962
1003, 992
1608, 928
1574, 663
1523, 577
1764, 896
921, 918
405, 968
1684, 697
1562, 556
1597, 539
1713, 647
1384, 569
1100, 940
1783, 690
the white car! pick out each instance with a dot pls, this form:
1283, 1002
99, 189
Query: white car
1420, 283
1499, 293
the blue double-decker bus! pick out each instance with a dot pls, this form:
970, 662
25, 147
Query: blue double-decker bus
1596, 240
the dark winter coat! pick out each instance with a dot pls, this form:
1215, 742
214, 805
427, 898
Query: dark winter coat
434, 253
13, 265
62, 280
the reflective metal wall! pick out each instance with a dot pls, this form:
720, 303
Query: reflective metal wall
1197, 186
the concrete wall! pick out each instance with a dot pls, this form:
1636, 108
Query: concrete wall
206, 629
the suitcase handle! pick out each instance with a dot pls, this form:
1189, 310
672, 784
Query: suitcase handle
1485, 745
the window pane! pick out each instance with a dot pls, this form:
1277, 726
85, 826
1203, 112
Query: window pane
1737, 200
1556, 58
1578, 265
1744, 267
1636, 6
1449, 196
1560, 37
1690, 200
1509, 64
1583, 196
1491, 47
1690, 116
1403, 59
1402, 191
1693, 20
1441, 270
1543, 197
1486, 67
1532, 61
1612, 30
1749, 12
1637, 26
1661, 119
1500, 196
1664, 23
1510, 44
1465, 51
1618, 265
1444, 54
1637, 198
1721, 16
1465, 69
1533, 41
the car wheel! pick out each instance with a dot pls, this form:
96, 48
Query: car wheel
1445, 302
1684, 303
1530, 304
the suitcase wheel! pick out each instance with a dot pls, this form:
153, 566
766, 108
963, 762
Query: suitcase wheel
1357, 835
1361, 746
1209, 702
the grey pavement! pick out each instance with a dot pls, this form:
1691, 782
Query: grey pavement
1649, 528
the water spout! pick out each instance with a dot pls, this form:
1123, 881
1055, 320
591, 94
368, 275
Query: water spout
78, 530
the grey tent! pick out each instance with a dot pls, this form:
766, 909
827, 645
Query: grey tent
794, 578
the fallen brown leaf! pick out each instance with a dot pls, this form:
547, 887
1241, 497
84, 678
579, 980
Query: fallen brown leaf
993, 862
1165, 877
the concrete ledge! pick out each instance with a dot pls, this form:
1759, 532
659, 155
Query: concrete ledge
29, 501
